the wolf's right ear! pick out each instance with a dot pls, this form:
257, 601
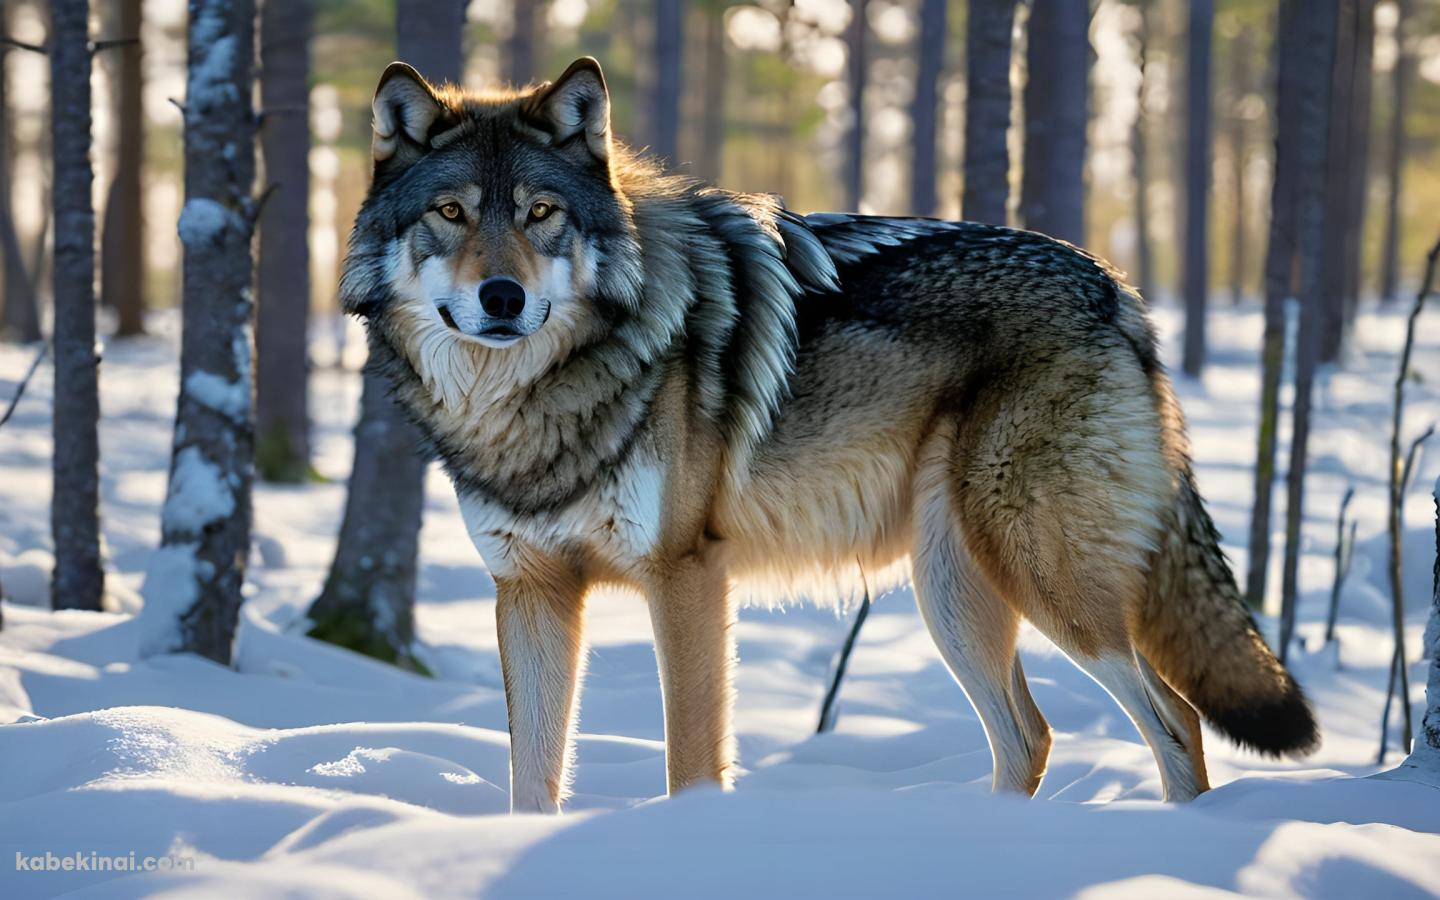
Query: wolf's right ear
576, 103
405, 110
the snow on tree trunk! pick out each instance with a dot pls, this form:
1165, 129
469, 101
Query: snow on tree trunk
192, 587
75, 505
368, 602
857, 76
665, 91
924, 110
1057, 56
1423, 763
19, 310
122, 256
282, 413
1197, 184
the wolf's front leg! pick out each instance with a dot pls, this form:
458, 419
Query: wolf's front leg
539, 618
694, 622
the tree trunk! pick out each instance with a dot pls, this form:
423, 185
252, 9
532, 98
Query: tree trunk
122, 248
857, 69
1425, 752
665, 97
1331, 319
710, 155
1279, 284
1197, 184
1240, 89
989, 32
1057, 56
924, 110
282, 450
1357, 180
192, 589
1144, 258
75, 508
368, 602
1395, 162
1316, 38
19, 308
522, 50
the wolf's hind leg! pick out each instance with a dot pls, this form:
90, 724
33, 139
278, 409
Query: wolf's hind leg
539, 617
976, 633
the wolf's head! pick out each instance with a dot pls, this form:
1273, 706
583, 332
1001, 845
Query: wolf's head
495, 222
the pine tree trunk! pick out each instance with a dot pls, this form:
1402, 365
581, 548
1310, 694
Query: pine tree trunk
1331, 310
665, 97
1197, 185
1279, 285
368, 602
19, 308
1240, 89
924, 109
282, 414
1395, 162
522, 49
1317, 39
1357, 180
989, 34
75, 508
1139, 144
122, 248
710, 155
1425, 752
857, 76
192, 589
1057, 56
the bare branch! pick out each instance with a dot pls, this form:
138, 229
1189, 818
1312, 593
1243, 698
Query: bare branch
1342, 563
21, 45
99, 46
257, 206
180, 106
24, 383
827, 707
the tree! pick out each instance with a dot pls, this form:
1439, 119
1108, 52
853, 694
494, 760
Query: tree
282, 450
1424, 756
1139, 151
1400, 78
1057, 59
665, 92
122, 248
710, 155
1357, 180
19, 309
1239, 90
857, 69
192, 587
1197, 184
1279, 283
522, 49
368, 601
989, 27
75, 506
924, 108
1316, 39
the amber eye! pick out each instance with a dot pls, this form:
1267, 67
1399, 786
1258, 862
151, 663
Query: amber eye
450, 211
540, 210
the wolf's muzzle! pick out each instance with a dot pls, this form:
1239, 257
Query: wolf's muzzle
502, 297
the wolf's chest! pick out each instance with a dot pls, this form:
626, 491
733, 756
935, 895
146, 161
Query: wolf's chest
617, 522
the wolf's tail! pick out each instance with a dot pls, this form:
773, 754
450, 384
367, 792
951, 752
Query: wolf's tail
1195, 630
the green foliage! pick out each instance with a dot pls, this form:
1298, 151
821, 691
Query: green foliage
277, 460
355, 632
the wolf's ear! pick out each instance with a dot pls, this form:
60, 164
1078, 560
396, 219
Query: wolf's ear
405, 110
576, 103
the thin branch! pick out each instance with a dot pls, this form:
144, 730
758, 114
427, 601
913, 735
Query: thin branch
1342, 563
1410, 458
99, 46
21, 45
827, 707
180, 106
257, 206
24, 383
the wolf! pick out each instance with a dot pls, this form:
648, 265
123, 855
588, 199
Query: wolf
634, 379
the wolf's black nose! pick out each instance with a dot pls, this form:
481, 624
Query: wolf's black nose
502, 297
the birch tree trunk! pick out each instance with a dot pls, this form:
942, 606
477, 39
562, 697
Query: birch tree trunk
857, 69
79, 581
122, 247
665, 92
19, 308
1197, 184
192, 588
1279, 284
989, 34
1052, 190
282, 412
368, 601
1400, 78
924, 108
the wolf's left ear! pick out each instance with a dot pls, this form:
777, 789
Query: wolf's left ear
576, 103
406, 110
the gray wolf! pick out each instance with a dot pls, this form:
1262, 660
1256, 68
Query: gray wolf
635, 379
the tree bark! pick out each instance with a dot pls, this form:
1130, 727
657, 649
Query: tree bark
989, 34
1279, 284
665, 92
368, 602
1425, 752
710, 155
1357, 181
1316, 39
281, 340
1197, 184
122, 248
857, 71
1331, 310
1240, 89
19, 308
1400, 78
1052, 189
75, 506
192, 589
522, 50
1139, 149
924, 108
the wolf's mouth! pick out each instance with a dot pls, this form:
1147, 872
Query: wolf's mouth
448, 319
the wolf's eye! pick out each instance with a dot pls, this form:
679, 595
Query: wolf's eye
540, 210
450, 211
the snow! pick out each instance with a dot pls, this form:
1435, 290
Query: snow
309, 771
229, 398
201, 494
203, 221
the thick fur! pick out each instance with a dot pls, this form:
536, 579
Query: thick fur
708, 395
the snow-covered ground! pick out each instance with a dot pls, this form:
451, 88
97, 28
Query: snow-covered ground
307, 771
